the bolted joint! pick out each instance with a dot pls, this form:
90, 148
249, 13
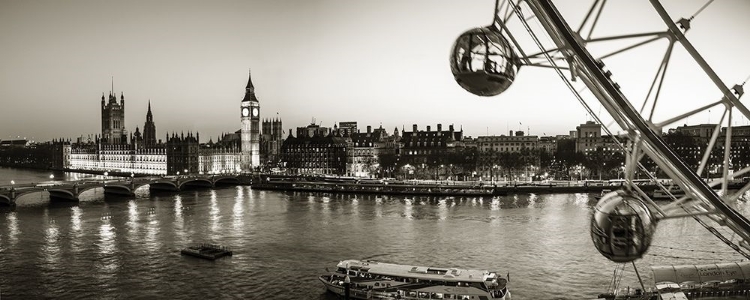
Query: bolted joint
600, 63
738, 90
684, 24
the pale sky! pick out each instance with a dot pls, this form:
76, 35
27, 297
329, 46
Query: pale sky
340, 60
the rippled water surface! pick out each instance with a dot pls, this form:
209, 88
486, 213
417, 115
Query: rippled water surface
129, 247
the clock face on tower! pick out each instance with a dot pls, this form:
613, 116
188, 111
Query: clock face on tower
245, 112
255, 111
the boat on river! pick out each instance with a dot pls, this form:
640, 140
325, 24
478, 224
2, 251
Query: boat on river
207, 251
368, 279
667, 193
730, 280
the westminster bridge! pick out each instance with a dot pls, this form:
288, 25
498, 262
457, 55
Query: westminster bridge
70, 190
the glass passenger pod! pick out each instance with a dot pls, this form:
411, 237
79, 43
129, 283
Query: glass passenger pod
483, 62
622, 227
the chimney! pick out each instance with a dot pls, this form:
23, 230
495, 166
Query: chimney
510, 133
450, 127
440, 127
369, 128
428, 128
414, 127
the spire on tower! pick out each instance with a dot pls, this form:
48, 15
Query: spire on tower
249, 90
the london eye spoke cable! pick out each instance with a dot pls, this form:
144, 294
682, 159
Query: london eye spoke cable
701, 9
572, 89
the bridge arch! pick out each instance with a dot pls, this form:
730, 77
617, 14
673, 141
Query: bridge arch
22, 193
62, 194
196, 182
5, 200
164, 186
139, 185
226, 180
87, 188
117, 189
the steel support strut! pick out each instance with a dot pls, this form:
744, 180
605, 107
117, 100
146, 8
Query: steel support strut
628, 118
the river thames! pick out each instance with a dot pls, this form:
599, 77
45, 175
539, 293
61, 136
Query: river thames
129, 247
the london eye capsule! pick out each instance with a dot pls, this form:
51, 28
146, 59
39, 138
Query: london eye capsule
483, 62
622, 227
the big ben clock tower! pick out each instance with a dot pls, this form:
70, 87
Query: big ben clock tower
250, 132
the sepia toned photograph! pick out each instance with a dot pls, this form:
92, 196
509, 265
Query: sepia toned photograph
393, 149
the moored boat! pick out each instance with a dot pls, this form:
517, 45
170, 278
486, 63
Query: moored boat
377, 280
671, 191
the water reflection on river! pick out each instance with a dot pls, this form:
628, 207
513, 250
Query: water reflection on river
129, 247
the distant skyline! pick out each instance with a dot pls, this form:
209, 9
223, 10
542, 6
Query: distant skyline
378, 62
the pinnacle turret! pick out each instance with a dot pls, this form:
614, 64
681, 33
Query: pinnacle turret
149, 115
149, 128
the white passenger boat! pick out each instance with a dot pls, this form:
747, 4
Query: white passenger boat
377, 280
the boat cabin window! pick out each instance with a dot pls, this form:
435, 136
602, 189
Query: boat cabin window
424, 295
465, 297
448, 296
341, 270
436, 296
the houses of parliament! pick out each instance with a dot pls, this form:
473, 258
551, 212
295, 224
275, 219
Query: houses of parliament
243, 150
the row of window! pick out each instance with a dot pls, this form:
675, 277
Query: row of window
139, 168
313, 160
506, 144
368, 144
425, 144
507, 149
